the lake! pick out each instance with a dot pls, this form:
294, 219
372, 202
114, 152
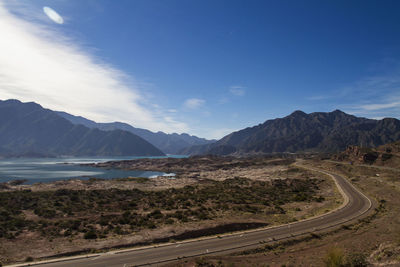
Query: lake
45, 170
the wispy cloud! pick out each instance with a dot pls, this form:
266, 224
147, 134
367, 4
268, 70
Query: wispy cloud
374, 96
234, 91
194, 103
39, 63
237, 90
380, 106
318, 97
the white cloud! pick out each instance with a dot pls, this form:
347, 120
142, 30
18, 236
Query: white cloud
193, 103
237, 90
53, 15
38, 63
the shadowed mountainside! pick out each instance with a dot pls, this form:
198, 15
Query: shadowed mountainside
27, 129
301, 132
168, 143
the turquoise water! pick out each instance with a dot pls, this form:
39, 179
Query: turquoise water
44, 170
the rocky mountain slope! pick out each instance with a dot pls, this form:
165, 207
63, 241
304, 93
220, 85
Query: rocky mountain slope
27, 129
168, 143
301, 132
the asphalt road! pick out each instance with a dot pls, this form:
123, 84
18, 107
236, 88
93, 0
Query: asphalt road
357, 205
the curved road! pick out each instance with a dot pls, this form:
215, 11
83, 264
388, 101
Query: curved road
355, 205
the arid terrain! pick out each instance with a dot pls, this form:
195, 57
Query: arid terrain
374, 241
208, 196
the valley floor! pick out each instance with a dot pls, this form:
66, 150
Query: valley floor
210, 195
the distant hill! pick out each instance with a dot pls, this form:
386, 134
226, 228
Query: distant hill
301, 132
168, 143
27, 129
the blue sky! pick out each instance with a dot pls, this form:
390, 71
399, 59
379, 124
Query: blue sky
207, 67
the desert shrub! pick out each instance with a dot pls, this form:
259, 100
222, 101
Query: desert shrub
178, 214
294, 169
118, 230
356, 260
129, 207
370, 157
334, 258
68, 232
386, 156
45, 212
91, 234
202, 262
156, 214
169, 221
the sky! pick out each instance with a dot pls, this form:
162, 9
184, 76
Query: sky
205, 67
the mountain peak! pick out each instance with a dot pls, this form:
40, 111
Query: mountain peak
298, 113
12, 101
338, 111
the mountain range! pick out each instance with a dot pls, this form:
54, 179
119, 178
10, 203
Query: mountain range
301, 132
168, 143
29, 130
